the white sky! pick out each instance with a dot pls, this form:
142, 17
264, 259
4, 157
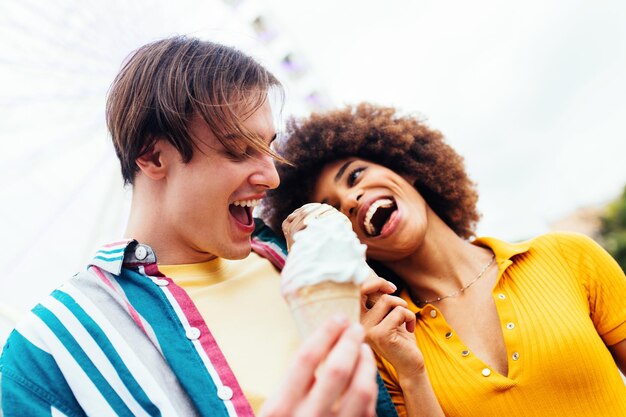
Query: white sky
532, 94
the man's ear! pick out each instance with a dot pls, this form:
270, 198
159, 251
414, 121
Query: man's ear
154, 162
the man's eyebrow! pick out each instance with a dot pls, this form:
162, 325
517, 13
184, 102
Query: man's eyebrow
342, 170
234, 136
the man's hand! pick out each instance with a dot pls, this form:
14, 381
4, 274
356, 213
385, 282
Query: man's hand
333, 374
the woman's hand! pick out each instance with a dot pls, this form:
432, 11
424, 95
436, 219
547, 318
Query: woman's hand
297, 220
389, 326
372, 289
293, 224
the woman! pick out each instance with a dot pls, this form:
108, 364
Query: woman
528, 329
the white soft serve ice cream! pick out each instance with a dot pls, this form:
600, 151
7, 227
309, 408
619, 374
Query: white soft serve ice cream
326, 250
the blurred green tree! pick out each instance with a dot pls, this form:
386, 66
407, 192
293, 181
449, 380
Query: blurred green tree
613, 229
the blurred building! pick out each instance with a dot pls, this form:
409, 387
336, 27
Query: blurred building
585, 220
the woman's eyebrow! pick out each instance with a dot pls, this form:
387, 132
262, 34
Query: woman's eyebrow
342, 170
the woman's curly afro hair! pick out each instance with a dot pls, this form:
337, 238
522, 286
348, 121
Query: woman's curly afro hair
380, 135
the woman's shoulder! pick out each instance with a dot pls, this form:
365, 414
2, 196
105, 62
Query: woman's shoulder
577, 250
554, 244
565, 242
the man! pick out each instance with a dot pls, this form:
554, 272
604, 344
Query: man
200, 330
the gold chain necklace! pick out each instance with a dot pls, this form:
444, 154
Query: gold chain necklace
462, 289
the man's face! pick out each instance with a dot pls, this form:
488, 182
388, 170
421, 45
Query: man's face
209, 201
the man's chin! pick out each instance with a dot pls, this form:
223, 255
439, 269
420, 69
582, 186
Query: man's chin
240, 251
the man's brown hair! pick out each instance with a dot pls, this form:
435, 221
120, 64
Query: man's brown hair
165, 83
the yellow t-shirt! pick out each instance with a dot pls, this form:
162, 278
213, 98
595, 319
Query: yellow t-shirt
561, 300
244, 310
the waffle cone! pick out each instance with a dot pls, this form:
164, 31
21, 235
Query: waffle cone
311, 306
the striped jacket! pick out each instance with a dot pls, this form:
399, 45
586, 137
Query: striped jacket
122, 339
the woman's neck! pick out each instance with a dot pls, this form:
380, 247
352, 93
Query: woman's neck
441, 265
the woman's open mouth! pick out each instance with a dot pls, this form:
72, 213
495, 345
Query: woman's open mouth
378, 215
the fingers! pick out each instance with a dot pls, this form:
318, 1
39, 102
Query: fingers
301, 374
345, 384
300, 217
374, 283
292, 227
392, 339
373, 288
409, 320
391, 332
385, 304
315, 211
296, 221
398, 316
360, 398
309, 209
338, 369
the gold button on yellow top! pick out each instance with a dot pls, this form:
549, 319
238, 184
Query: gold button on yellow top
433, 313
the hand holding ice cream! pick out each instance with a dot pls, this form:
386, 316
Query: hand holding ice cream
325, 267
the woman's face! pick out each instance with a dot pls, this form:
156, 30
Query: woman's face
386, 211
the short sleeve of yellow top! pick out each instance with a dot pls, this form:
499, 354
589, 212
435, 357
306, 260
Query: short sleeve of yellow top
243, 291
561, 300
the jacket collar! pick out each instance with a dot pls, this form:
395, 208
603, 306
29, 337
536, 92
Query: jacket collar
113, 256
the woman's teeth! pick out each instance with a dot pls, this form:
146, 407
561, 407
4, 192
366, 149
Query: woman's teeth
367, 222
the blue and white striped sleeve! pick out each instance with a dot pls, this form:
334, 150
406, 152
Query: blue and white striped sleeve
32, 384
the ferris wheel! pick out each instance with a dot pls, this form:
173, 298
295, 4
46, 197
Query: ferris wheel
61, 190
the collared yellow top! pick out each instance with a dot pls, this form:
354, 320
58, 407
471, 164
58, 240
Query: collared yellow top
561, 300
240, 301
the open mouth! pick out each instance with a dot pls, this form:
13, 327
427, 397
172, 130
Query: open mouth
241, 210
378, 214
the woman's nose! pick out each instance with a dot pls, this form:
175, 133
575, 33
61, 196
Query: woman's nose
350, 203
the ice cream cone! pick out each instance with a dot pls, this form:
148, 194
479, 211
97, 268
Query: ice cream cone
312, 305
325, 268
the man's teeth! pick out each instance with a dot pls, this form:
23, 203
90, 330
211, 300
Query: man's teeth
367, 222
247, 203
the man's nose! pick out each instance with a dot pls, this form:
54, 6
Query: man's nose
265, 173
